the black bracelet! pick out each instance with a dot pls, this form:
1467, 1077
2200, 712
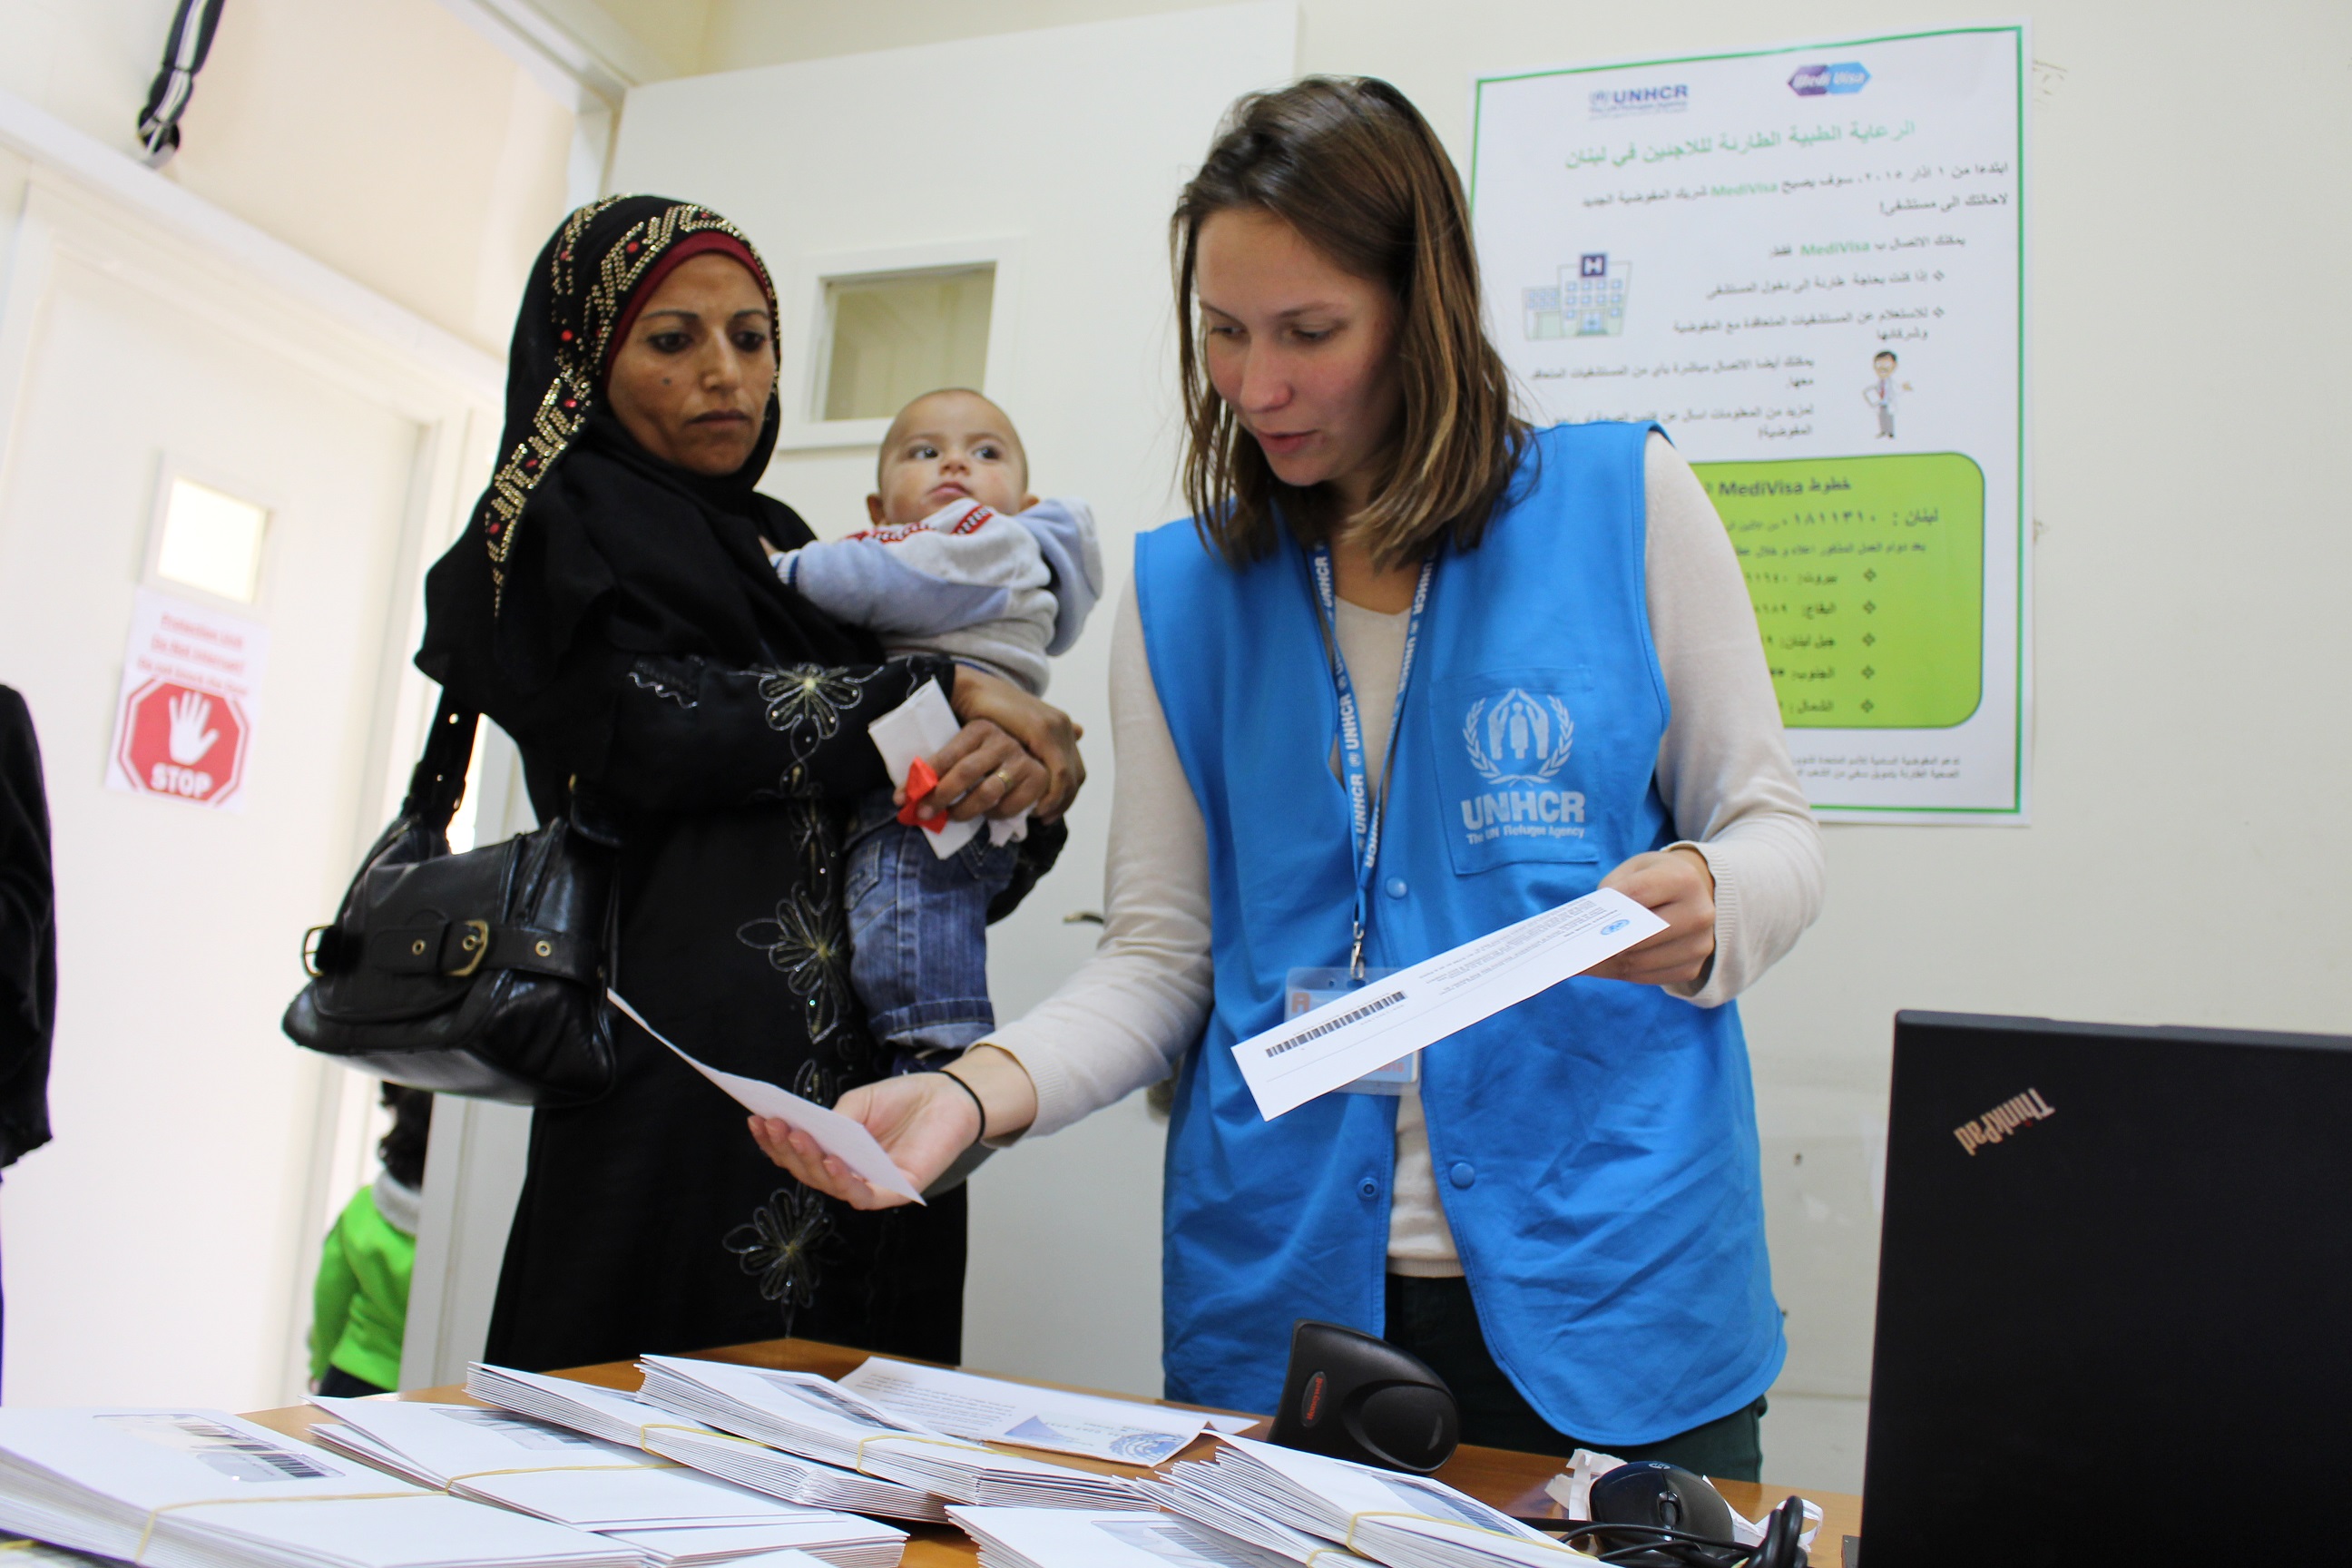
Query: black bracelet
976, 1105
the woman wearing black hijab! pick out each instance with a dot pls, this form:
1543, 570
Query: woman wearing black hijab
614, 609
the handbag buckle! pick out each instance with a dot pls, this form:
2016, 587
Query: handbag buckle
476, 942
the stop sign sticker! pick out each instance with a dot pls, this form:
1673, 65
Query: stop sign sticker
183, 742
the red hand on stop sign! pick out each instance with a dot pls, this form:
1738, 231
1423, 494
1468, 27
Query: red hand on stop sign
186, 744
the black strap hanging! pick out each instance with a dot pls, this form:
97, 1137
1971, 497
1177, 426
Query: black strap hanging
191, 40
437, 784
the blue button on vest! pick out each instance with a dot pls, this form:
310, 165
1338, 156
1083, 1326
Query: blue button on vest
1599, 1139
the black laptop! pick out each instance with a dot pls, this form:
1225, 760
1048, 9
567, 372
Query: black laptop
2114, 1297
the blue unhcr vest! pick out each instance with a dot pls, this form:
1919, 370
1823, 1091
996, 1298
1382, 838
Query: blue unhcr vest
1595, 1146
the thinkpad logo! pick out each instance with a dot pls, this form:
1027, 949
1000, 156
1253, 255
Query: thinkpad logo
2003, 1119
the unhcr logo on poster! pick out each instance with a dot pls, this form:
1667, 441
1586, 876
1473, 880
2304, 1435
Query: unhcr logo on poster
1610, 102
1814, 81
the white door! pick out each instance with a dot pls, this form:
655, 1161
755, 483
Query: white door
161, 1248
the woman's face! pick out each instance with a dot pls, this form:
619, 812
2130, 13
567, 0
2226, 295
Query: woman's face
1302, 351
691, 381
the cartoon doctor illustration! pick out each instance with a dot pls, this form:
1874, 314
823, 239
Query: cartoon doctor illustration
1882, 393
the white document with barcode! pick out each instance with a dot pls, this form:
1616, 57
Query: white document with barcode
1307, 1057
989, 1409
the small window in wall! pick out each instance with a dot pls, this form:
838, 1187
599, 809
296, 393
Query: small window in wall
896, 335
211, 541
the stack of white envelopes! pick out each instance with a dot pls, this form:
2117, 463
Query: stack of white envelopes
1306, 1507
201, 1488
1076, 1538
623, 1419
991, 1410
814, 1416
535, 1468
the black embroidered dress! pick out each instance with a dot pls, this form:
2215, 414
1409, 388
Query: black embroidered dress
618, 618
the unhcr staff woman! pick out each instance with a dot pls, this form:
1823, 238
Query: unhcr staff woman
1564, 1218
614, 609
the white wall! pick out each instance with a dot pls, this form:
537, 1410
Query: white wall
2193, 659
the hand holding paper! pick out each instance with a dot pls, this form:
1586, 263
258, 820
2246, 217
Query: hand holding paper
843, 1138
1316, 1052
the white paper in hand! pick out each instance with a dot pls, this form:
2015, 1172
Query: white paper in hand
843, 1138
1338, 1043
919, 726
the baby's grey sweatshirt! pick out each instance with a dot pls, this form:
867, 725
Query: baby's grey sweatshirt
1002, 591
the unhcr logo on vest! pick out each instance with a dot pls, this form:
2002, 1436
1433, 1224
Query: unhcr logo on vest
1517, 739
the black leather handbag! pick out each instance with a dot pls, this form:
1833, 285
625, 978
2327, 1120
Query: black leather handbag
479, 975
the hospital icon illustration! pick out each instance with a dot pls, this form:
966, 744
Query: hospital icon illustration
1589, 301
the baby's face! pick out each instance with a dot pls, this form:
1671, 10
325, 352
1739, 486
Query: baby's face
946, 447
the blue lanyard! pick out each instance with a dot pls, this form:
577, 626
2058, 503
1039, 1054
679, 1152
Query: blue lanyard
1363, 816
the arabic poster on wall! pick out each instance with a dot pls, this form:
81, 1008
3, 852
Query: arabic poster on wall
1808, 265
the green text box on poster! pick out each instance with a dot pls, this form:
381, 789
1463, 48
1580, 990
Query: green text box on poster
1868, 579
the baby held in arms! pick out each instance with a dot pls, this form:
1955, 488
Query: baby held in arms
960, 559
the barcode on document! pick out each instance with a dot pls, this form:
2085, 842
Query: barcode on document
294, 1466
1341, 1022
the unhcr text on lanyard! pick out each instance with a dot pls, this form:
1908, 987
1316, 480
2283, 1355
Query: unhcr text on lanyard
1363, 815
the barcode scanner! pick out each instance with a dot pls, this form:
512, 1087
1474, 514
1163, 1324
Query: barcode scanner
1350, 1396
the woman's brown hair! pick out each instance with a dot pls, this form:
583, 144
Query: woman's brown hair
1350, 164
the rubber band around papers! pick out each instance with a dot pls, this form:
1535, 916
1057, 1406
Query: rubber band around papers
667, 1464
1348, 1543
700, 1432
139, 1551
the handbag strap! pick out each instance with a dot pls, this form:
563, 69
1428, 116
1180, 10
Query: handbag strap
438, 782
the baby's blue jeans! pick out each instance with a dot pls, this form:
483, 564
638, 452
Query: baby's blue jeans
918, 931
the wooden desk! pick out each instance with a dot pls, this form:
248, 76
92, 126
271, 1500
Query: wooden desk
1512, 1483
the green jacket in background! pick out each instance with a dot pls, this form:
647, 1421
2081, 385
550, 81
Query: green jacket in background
360, 1303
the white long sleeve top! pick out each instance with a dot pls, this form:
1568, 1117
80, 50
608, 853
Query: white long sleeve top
1127, 1015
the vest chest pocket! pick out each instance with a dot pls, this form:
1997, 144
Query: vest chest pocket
1511, 784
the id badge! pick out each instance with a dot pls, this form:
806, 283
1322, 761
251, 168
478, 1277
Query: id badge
1306, 989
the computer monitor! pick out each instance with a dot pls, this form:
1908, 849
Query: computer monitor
2114, 1295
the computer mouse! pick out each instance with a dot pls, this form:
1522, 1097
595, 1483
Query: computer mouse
1653, 1493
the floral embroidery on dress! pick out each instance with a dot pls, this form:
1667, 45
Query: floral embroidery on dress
779, 1244
808, 944
805, 700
